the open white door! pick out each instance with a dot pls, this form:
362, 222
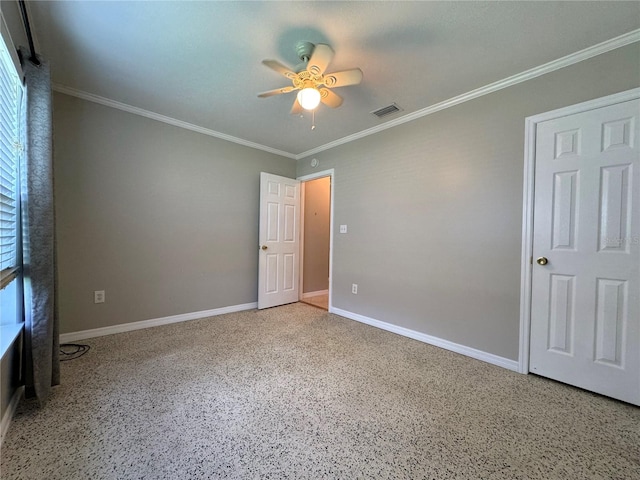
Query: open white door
279, 264
585, 296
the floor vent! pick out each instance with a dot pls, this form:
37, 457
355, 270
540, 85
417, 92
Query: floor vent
388, 110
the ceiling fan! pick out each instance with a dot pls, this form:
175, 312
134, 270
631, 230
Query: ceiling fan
310, 78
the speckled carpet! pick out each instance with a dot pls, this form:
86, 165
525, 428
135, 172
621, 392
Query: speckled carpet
295, 392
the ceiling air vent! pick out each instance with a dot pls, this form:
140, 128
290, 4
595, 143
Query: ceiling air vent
388, 110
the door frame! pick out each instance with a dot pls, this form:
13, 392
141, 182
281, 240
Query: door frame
526, 261
305, 178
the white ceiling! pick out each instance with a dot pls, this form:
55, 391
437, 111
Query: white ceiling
200, 62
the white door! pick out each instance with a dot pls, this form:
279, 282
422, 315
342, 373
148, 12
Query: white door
279, 265
585, 301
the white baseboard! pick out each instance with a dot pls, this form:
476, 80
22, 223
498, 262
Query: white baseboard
154, 322
422, 337
438, 342
8, 414
315, 294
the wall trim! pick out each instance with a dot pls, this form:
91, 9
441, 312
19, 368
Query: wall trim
154, 322
587, 53
315, 294
10, 412
526, 258
431, 340
73, 92
576, 57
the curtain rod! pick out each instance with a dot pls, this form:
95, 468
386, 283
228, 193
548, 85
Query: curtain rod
25, 19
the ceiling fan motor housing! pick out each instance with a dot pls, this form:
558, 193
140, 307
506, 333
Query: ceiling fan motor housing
304, 51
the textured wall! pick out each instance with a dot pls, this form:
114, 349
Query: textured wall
317, 218
13, 19
434, 208
163, 219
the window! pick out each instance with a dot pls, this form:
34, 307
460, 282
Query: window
10, 150
11, 95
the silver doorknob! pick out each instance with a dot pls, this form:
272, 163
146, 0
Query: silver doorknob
264, 247
542, 261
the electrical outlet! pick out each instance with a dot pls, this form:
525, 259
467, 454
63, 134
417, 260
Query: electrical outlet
343, 229
98, 296
354, 288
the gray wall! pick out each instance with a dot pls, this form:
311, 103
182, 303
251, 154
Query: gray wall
13, 19
163, 219
434, 208
317, 217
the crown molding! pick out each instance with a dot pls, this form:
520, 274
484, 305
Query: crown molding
164, 119
595, 50
598, 49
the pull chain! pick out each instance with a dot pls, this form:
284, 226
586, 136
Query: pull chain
313, 119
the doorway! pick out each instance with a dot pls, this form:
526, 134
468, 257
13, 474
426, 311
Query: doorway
315, 239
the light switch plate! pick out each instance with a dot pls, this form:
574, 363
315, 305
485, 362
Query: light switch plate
343, 229
98, 296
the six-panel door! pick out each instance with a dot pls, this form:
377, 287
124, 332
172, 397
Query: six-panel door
279, 263
585, 310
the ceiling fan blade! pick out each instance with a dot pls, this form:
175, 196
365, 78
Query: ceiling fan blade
277, 91
296, 109
344, 78
280, 68
320, 59
330, 98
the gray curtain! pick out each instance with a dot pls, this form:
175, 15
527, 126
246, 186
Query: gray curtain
42, 367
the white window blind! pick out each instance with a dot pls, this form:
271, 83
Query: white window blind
10, 151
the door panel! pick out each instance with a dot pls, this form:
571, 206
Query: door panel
272, 273
564, 210
278, 275
610, 321
561, 314
289, 272
290, 222
614, 208
273, 216
585, 313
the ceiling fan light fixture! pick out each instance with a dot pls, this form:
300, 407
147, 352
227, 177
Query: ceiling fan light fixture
309, 98
310, 79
